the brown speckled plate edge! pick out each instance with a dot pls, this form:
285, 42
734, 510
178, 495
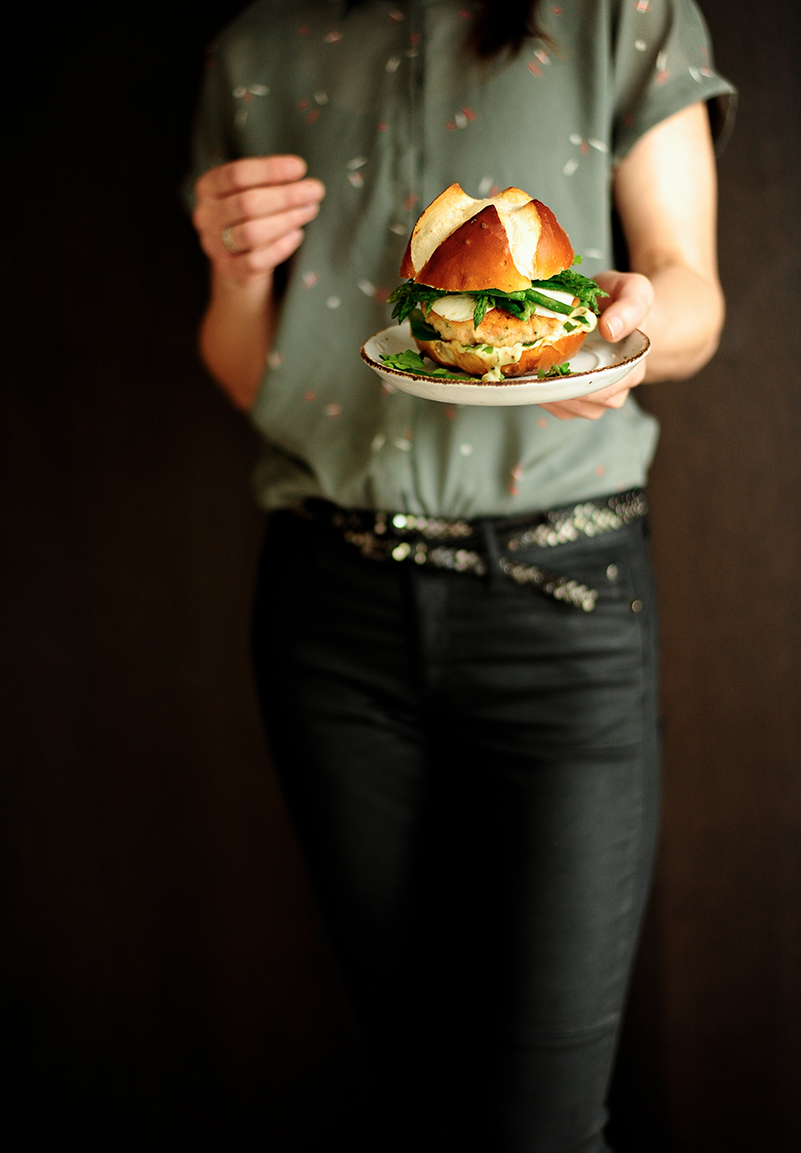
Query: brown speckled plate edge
612, 361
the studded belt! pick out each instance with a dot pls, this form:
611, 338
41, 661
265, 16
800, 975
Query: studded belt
429, 540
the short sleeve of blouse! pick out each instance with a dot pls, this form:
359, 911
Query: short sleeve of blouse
663, 63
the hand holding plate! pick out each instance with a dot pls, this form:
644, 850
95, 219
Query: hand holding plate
629, 300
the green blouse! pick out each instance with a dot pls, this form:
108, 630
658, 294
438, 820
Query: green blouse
388, 112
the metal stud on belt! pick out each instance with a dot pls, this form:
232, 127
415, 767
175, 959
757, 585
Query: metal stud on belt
384, 539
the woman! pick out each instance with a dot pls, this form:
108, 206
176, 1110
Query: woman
471, 764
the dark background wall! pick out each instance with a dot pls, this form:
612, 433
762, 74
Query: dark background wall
164, 979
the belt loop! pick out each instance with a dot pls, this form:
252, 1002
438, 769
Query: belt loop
489, 537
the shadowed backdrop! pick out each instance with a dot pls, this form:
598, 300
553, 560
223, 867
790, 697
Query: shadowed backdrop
165, 981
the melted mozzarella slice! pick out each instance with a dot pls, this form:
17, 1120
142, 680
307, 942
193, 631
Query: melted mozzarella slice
455, 308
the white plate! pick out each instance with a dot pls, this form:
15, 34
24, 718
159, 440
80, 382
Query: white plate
596, 365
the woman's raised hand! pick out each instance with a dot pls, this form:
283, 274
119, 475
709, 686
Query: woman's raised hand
249, 214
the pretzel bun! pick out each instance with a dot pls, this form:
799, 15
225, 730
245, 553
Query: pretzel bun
464, 245
461, 246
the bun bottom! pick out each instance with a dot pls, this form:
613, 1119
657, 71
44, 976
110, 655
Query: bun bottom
540, 359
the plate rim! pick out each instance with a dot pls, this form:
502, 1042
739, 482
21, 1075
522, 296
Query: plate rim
507, 382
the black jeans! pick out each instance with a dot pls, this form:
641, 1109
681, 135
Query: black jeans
472, 769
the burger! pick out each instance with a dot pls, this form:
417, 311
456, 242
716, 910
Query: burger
491, 290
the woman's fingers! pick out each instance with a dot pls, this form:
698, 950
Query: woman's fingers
258, 216
630, 297
628, 303
249, 214
267, 200
250, 172
263, 231
258, 262
595, 404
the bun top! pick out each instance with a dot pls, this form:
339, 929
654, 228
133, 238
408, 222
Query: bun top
463, 245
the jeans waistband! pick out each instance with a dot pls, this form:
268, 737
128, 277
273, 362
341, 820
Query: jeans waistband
440, 542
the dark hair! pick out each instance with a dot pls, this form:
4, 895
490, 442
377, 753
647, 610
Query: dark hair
502, 26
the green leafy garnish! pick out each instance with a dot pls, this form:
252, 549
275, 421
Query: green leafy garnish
410, 296
557, 370
420, 329
481, 309
585, 289
410, 361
